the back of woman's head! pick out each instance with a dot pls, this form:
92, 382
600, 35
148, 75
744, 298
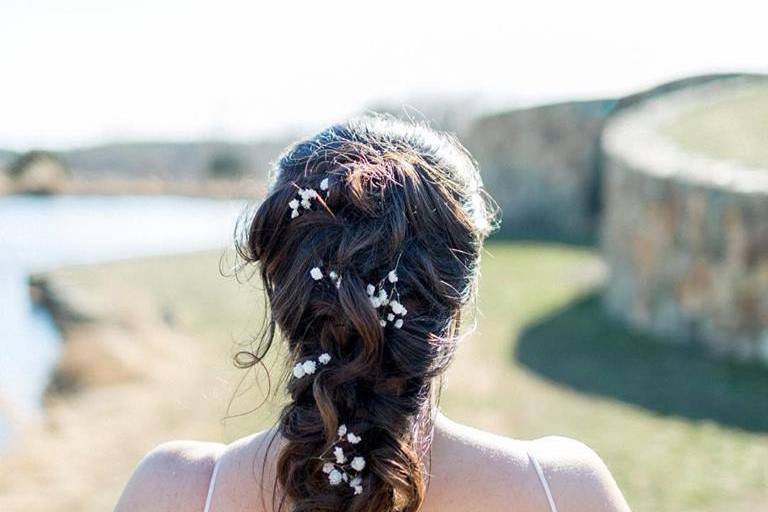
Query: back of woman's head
368, 245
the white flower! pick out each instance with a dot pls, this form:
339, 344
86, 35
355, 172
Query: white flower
399, 323
390, 317
309, 367
352, 438
324, 184
334, 477
333, 275
306, 204
383, 323
298, 371
316, 273
338, 282
328, 467
311, 193
370, 289
304, 193
342, 430
376, 302
397, 308
293, 204
358, 463
294, 214
338, 452
392, 276
324, 358
382, 294
357, 484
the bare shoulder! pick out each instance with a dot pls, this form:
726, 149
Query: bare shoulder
498, 471
577, 476
173, 476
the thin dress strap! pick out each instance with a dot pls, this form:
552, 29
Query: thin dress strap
211, 485
543, 481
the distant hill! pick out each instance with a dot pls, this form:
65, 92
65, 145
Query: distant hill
174, 161
6, 158
169, 160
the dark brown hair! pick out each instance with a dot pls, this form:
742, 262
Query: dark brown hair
399, 195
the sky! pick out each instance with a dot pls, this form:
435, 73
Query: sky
83, 72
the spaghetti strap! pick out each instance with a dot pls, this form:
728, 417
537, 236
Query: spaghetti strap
542, 479
211, 486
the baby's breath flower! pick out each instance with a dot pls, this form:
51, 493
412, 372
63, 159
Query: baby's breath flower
342, 430
370, 289
294, 214
316, 273
298, 371
334, 477
333, 275
399, 323
383, 323
358, 463
353, 439
338, 452
324, 358
392, 276
293, 204
328, 467
324, 184
309, 367
357, 484
390, 317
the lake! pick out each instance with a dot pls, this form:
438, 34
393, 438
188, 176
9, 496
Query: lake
41, 233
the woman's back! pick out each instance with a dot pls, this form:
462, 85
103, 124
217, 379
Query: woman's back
368, 248
470, 470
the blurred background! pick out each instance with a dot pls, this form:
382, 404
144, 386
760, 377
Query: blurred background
624, 301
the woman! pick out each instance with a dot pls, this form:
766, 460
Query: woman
368, 245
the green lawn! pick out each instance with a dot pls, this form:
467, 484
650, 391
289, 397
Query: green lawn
735, 128
680, 433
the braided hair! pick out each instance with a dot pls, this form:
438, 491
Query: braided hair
368, 245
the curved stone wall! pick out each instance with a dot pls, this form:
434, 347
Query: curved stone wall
685, 237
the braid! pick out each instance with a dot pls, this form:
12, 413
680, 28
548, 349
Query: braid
368, 245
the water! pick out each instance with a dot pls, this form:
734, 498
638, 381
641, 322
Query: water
41, 233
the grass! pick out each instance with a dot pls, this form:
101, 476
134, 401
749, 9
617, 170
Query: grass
679, 432
734, 128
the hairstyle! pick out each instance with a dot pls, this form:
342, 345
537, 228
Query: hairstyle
395, 196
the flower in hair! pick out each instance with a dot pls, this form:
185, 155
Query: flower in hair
356, 484
353, 439
316, 273
342, 430
358, 463
334, 477
324, 184
298, 371
380, 296
338, 452
309, 366
328, 467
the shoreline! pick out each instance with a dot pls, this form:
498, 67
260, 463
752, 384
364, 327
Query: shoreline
103, 406
214, 189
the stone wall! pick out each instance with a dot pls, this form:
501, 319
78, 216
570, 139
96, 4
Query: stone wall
685, 237
540, 164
